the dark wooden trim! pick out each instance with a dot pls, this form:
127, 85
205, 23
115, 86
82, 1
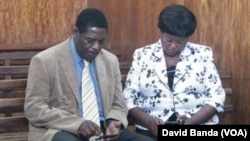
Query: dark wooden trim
11, 102
25, 47
17, 55
12, 84
18, 136
7, 70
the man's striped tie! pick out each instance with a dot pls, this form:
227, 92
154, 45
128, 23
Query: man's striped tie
89, 101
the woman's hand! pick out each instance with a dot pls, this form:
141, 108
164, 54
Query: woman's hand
153, 125
184, 119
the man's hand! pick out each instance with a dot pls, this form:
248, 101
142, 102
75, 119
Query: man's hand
88, 129
113, 129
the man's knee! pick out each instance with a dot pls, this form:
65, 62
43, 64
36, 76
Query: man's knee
66, 136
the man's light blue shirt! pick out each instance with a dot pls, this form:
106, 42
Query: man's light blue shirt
79, 65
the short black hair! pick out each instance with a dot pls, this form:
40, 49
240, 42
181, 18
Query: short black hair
177, 20
91, 17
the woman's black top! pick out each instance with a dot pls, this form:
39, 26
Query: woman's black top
171, 72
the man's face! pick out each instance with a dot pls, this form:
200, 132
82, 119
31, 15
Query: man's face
172, 45
89, 44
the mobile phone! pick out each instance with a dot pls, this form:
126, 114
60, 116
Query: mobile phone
106, 136
178, 122
172, 123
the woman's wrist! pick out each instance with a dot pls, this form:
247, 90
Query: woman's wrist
188, 121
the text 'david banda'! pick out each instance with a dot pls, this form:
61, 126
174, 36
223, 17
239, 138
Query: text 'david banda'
204, 131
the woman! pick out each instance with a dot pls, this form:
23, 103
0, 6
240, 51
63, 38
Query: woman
173, 79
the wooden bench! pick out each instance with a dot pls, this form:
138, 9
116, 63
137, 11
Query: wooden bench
13, 78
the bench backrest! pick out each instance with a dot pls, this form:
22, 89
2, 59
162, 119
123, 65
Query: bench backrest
13, 78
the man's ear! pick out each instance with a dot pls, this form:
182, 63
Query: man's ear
76, 30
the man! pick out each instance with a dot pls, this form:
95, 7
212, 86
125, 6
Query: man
54, 96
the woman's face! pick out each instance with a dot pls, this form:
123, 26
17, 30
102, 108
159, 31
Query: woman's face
172, 45
90, 43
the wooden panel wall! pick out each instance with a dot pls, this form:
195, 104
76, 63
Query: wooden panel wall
28, 24
222, 24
